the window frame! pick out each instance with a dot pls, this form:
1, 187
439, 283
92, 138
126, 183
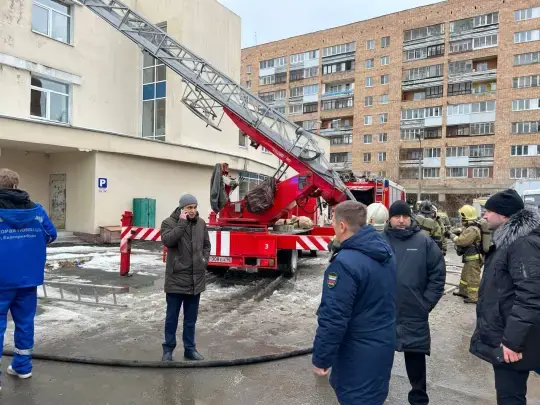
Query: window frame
50, 11
48, 93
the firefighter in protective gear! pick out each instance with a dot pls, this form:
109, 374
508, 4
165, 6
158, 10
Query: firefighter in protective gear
427, 222
469, 246
377, 216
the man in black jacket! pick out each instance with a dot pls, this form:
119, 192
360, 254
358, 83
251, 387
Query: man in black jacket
508, 311
185, 235
421, 274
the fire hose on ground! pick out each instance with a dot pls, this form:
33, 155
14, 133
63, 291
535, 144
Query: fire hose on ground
96, 361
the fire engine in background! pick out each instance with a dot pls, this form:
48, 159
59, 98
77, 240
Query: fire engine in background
243, 233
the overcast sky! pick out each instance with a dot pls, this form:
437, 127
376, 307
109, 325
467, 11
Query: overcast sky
278, 19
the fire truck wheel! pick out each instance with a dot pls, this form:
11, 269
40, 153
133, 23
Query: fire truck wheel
288, 262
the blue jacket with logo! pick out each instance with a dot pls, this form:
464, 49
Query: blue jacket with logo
356, 333
25, 231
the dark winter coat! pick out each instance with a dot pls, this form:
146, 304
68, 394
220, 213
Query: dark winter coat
508, 309
421, 274
356, 333
187, 254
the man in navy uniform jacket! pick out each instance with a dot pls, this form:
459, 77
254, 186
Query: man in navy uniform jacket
25, 231
356, 333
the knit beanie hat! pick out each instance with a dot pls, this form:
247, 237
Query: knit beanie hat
187, 199
506, 203
400, 207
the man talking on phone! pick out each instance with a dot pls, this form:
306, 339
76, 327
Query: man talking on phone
185, 235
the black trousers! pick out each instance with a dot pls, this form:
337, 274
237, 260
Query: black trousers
415, 363
511, 385
191, 311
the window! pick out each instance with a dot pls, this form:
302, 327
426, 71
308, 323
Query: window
464, 45
412, 114
368, 101
384, 99
337, 104
456, 172
367, 157
526, 81
248, 68
425, 72
154, 98
338, 67
481, 151
527, 58
432, 152
423, 32
383, 118
484, 106
248, 181
519, 150
265, 80
385, 79
369, 81
309, 125
248, 84
383, 138
484, 128
431, 173
295, 75
311, 108
295, 109
527, 127
457, 151
433, 112
526, 36
311, 90
482, 67
433, 133
459, 88
385, 42
480, 173
52, 18
242, 140
527, 14
385, 60
459, 109
525, 173
435, 50
341, 140
49, 100
368, 139
412, 134
434, 92
485, 42
368, 120
526, 104
381, 156
415, 54
338, 49
280, 110
370, 44
486, 19
340, 157
370, 63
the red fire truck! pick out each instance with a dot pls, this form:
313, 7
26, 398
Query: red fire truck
242, 232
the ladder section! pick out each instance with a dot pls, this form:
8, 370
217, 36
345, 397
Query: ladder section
379, 190
210, 93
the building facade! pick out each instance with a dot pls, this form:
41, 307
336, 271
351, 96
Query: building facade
90, 122
444, 99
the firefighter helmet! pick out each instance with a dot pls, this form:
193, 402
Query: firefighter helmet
377, 215
468, 213
426, 208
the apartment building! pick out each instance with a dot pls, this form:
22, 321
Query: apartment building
90, 122
443, 98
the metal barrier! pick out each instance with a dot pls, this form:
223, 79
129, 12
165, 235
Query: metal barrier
81, 298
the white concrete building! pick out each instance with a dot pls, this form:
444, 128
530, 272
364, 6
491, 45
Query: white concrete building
80, 102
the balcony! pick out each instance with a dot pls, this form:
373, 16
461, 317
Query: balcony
341, 165
337, 104
478, 129
339, 53
337, 94
424, 36
424, 77
343, 130
482, 24
423, 94
473, 71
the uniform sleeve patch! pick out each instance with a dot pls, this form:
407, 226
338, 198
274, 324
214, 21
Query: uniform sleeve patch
332, 280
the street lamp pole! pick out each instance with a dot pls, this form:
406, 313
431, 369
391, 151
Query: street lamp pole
420, 159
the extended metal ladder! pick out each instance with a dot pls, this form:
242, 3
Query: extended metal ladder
209, 90
379, 190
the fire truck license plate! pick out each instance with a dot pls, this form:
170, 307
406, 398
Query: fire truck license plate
219, 259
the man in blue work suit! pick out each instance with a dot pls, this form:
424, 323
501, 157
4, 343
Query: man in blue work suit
356, 333
25, 231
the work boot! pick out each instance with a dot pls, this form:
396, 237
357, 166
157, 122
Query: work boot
12, 372
460, 294
167, 356
470, 301
193, 355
